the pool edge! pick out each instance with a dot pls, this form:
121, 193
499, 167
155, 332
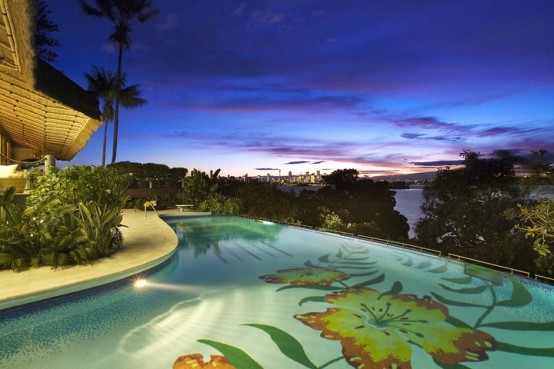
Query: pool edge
159, 245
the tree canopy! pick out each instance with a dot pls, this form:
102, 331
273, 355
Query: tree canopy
43, 27
465, 212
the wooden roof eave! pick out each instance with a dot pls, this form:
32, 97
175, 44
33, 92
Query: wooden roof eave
39, 106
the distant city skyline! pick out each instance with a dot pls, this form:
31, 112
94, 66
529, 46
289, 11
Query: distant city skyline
385, 88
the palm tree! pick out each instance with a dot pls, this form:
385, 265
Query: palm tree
121, 13
110, 88
102, 84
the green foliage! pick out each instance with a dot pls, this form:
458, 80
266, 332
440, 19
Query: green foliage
545, 264
98, 225
199, 186
75, 184
149, 172
262, 200
342, 178
15, 252
121, 14
155, 172
464, 212
219, 204
66, 246
178, 174
368, 203
357, 206
537, 222
333, 221
72, 217
539, 166
43, 27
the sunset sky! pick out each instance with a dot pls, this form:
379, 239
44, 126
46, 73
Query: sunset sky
386, 87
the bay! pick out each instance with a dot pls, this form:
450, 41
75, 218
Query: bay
408, 203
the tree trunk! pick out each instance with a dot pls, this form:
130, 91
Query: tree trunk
115, 130
116, 112
104, 143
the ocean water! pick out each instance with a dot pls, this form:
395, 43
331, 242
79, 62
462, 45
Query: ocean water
408, 203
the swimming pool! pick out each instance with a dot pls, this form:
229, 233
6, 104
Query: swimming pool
263, 295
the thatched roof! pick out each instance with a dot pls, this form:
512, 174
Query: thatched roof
40, 108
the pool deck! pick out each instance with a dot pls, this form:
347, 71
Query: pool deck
147, 242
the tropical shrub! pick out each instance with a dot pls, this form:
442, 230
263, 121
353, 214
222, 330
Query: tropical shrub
66, 246
72, 217
198, 187
219, 204
464, 213
98, 227
332, 221
537, 222
16, 252
75, 184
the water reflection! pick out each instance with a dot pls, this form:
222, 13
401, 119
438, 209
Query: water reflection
201, 236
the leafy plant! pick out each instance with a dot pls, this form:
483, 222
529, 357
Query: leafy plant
66, 246
75, 184
199, 186
537, 222
219, 204
26, 232
72, 217
98, 226
178, 174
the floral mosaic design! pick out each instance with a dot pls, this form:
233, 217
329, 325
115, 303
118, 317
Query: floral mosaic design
306, 276
196, 361
382, 329
375, 329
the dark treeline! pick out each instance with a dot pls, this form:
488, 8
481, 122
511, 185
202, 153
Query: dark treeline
481, 211
346, 203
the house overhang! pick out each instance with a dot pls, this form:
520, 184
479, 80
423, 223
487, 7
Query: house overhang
40, 108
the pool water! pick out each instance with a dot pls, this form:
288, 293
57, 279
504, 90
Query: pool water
263, 295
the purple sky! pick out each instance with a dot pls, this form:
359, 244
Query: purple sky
305, 85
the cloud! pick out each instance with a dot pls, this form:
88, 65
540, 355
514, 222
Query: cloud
420, 136
469, 101
412, 136
257, 100
424, 123
499, 131
297, 162
318, 162
267, 168
437, 163
370, 52
379, 172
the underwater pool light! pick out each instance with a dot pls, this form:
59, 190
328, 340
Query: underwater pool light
139, 283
